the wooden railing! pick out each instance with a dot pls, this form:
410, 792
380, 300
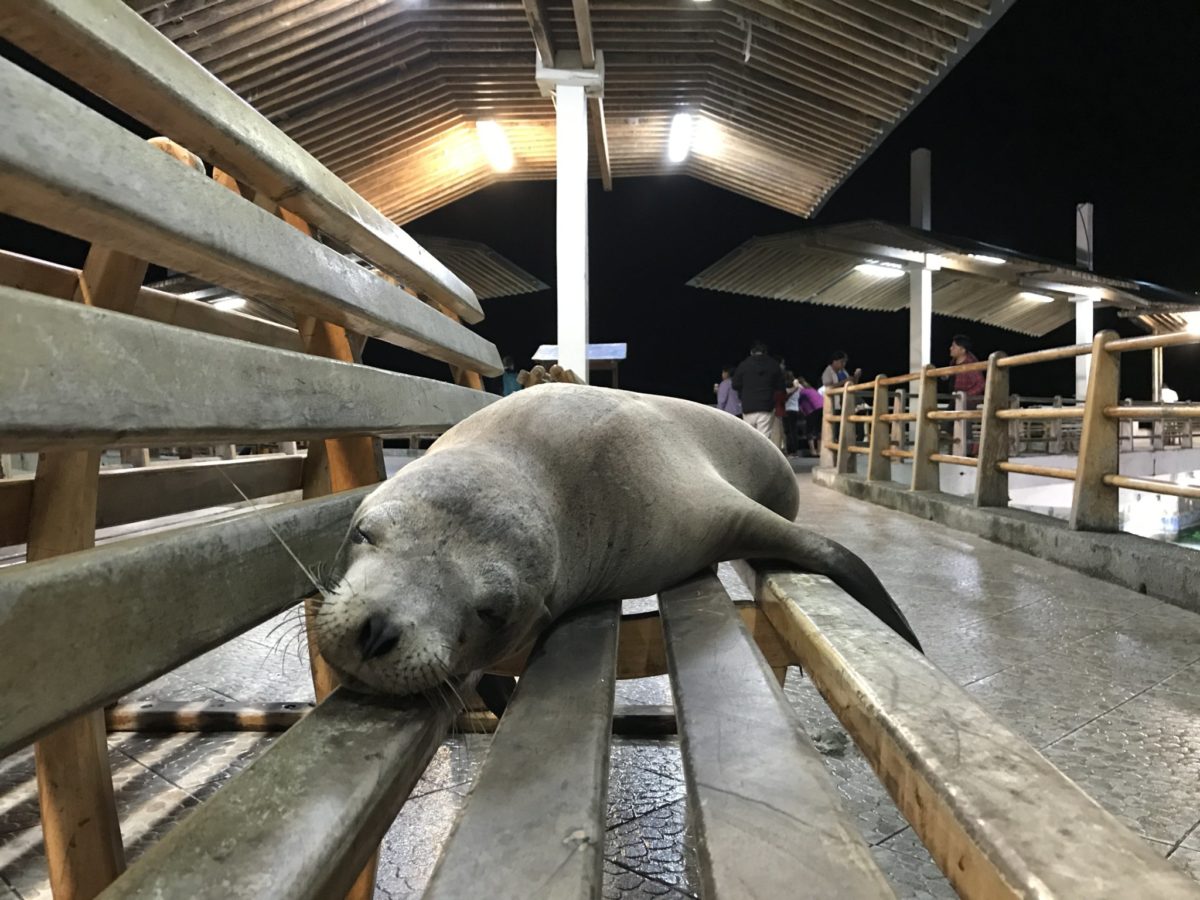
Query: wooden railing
1105, 426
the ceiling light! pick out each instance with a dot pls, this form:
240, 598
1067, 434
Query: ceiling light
495, 144
987, 260
1191, 322
228, 303
880, 270
679, 144
1035, 297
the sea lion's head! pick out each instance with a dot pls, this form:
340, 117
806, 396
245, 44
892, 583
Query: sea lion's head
446, 570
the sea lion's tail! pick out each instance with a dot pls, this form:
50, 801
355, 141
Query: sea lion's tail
814, 552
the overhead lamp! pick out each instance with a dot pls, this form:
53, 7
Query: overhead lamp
1089, 293
495, 144
1191, 322
228, 303
679, 142
1035, 297
880, 270
987, 260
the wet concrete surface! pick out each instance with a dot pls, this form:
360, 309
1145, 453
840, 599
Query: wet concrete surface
1105, 681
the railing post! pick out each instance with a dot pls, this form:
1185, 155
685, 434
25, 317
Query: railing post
926, 475
1015, 442
900, 429
991, 483
845, 459
879, 467
1125, 428
1095, 506
828, 459
961, 426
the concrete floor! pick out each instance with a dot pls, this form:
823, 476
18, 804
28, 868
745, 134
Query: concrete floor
1105, 681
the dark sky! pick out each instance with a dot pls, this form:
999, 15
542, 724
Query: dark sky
1063, 101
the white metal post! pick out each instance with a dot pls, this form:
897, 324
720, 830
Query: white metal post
572, 228
1085, 327
920, 278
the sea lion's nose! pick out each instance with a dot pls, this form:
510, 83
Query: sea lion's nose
377, 637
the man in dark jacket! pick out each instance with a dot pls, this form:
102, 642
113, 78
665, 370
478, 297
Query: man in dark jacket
756, 380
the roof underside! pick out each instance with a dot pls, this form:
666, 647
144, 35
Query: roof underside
790, 95
818, 265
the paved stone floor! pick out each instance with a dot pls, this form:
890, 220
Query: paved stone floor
1104, 681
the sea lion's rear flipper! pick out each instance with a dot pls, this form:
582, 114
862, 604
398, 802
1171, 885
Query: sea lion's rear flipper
768, 536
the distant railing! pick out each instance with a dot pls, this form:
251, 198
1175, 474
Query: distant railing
1100, 427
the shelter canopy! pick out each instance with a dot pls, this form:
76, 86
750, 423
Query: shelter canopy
861, 265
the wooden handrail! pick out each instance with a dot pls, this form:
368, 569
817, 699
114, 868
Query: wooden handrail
954, 415
854, 448
1043, 471
1154, 487
859, 418
898, 454
898, 417
900, 379
1042, 412
1037, 356
954, 460
957, 370
1182, 411
1152, 341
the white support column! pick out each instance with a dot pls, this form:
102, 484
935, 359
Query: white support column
1156, 373
572, 228
1085, 327
920, 277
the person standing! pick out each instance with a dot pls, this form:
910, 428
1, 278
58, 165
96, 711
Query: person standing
970, 383
508, 381
791, 413
756, 379
727, 397
836, 375
812, 408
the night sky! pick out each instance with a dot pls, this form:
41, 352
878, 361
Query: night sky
1064, 101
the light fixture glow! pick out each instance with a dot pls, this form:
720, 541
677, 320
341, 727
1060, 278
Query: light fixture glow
228, 303
679, 143
1193, 322
495, 144
1035, 297
986, 260
880, 270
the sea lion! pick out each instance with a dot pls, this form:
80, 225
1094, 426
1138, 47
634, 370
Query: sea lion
551, 498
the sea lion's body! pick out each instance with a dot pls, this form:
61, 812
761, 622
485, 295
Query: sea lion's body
552, 498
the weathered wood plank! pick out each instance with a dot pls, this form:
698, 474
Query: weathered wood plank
767, 816
302, 820
41, 277
134, 495
83, 629
109, 49
534, 824
997, 818
68, 168
144, 384
175, 717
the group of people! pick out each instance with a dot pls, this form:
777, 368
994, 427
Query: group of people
773, 400
788, 410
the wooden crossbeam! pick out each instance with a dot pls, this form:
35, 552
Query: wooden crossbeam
142, 384
538, 822
134, 495
79, 631
767, 815
304, 818
109, 49
999, 820
68, 168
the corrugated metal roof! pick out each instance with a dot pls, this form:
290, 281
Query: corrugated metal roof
485, 271
817, 265
789, 96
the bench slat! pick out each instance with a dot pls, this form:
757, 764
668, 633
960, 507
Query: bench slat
304, 818
534, 825
998, 818
143, 384
82, 629
135, 495
109, 49
68, 168
767, 817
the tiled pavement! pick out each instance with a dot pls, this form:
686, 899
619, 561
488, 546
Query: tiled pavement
1105, 681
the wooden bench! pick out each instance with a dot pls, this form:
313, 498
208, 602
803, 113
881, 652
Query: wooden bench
89, 360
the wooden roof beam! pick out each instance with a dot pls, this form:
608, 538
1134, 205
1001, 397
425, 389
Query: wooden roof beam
600, 136
539, 19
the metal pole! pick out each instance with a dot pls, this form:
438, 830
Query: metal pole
572, 228
1085, 328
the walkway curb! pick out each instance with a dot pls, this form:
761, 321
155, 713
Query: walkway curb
1166, 571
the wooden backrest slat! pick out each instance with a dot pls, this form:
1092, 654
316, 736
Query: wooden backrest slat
997, 817
134, 495
534, 824
302, 820
39, 277
109, 49
768, 819
68, 168
143, 384
82, 629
